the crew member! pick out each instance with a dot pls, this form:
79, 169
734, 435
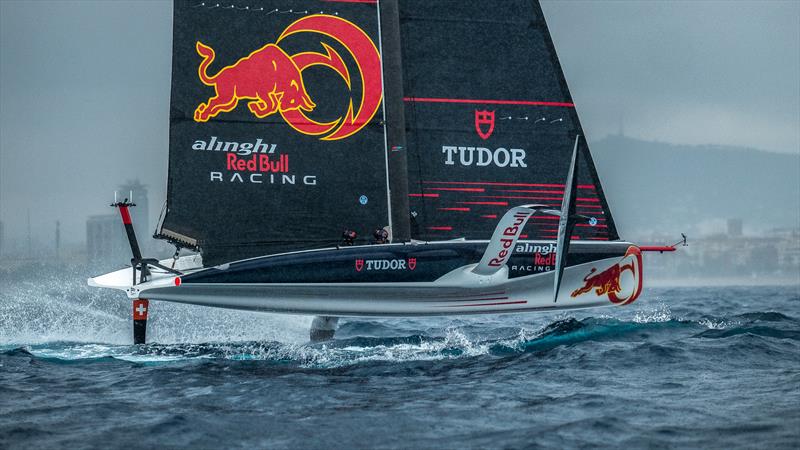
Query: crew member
349, 237
381, 236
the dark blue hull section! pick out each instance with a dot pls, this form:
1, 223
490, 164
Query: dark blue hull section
410, 262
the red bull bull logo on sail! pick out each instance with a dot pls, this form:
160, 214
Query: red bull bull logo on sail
271, 81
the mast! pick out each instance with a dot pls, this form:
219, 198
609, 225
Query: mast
383, 122
394, 120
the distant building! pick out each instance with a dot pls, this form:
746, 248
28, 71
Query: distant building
789, 251
734, 227
774, 254
105, 239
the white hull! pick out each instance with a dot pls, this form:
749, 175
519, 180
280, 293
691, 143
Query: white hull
459, 292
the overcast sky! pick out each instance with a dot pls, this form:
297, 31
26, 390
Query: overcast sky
84, 89
688, 72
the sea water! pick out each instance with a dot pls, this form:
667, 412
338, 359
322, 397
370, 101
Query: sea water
682, 367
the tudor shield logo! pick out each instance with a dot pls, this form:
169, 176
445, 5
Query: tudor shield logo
412, 263
359, 265
484, 123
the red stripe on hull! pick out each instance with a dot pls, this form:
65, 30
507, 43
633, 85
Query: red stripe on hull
475, 299
465, 297
487, 304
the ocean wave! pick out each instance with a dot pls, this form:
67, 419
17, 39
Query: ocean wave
381, 343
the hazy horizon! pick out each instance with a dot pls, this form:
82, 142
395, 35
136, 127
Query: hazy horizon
84, 91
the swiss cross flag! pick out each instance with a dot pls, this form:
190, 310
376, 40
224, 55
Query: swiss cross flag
140, 308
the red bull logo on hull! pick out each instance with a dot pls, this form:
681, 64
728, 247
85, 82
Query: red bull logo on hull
608, 282
271, 81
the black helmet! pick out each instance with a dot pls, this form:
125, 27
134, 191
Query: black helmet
381, 236
349, 237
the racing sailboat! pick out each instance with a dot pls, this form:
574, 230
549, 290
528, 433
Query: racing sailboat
348, 158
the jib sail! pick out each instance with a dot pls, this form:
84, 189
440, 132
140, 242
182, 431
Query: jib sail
490, 121
277, 137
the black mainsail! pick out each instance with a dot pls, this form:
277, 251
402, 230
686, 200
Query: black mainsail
292, 121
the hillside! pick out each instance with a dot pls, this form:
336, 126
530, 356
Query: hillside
658, 187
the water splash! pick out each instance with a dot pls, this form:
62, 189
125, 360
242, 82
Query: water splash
713, 323
659, 312
60, 307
